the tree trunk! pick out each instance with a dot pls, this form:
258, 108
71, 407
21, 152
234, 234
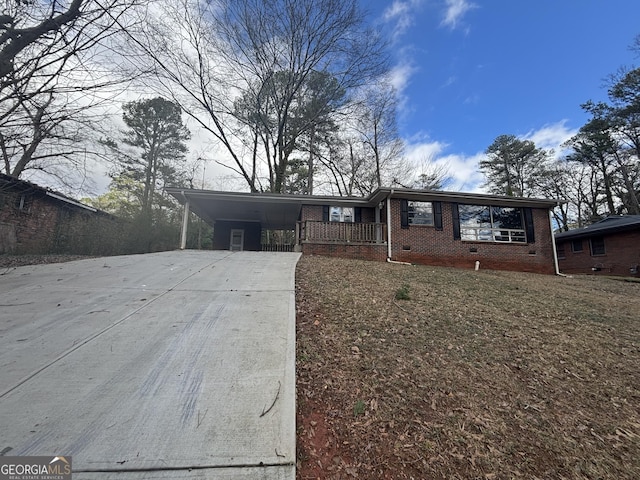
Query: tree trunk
311, 152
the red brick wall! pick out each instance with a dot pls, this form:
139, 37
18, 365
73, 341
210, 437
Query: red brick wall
363, 252
429, 246
622, 251
45, 225
311, 212
433, 247
35, 223
368, 215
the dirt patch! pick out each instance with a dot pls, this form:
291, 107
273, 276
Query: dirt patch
425, 372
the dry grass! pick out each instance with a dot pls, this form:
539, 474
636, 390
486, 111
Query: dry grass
484, 375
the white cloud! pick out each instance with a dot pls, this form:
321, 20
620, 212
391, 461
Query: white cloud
464, 174
400, 75
551, 136
450, 81
420, 148
472, 99
401, 14
456, 9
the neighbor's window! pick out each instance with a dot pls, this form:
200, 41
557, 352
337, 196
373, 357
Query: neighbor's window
560, 250
341, 214
420, 213
491, 224
576, 246
23, 202
597, 246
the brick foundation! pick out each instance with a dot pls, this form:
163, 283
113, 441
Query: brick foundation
356, 251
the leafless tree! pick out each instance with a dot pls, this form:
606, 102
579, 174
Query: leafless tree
375, 123
349, 171
431, 175
53, 70
264, 54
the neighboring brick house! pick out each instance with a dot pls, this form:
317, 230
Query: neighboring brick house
416, 226
608, 247
37, 220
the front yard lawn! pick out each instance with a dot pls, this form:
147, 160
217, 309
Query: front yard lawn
426, 372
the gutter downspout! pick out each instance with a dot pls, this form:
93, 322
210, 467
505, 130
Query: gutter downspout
389, 232
553, 244
389, 225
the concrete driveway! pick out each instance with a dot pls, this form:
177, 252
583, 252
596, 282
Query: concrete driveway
169, 365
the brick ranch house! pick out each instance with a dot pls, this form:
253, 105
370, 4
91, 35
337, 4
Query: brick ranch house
391, 224
37, 220
608, 247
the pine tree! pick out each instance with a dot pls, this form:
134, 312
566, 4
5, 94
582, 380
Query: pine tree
513, 167
156, 130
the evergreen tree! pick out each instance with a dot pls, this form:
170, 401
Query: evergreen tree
156, 130
157, 137
513, 167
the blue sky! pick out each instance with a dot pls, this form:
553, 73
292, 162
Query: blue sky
470, 70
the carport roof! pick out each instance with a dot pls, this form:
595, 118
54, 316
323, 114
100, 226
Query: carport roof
274, 211
281, 211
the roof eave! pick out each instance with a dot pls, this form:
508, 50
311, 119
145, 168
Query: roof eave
587, 232
462, 197
182, 193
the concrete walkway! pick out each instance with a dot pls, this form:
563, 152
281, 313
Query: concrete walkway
169, 365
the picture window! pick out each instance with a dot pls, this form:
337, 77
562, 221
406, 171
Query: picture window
482, 223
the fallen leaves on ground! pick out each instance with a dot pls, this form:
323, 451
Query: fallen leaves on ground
490, 375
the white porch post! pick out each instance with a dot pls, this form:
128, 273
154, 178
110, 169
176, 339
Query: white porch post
378, 226
389, 251
185, 224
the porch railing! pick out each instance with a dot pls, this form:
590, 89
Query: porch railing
275, 247
342, 232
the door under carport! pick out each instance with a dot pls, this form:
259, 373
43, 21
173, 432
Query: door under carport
245, 234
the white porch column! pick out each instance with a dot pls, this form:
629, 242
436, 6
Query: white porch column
185, 224
378, 226
389, 251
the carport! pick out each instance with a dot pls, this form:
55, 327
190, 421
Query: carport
239, 218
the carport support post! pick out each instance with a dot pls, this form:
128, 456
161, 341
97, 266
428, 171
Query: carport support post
185, 224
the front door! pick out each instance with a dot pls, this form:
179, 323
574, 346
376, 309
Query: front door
237, 240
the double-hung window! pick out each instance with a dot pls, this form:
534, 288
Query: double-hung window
420, 213
576, 246
597, 246
341, 214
